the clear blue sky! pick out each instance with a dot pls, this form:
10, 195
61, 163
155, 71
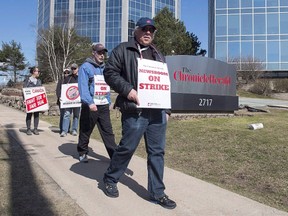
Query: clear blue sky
19, 19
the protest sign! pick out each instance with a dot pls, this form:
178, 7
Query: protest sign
70, 96
153, 84
35, 99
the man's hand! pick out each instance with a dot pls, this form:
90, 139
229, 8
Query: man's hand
93, 107
133, 96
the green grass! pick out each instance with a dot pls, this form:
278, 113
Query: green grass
225, 152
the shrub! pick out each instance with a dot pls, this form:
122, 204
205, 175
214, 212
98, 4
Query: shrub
261, 87
280, 85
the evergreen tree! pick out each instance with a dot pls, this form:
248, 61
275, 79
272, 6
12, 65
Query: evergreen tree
12, 58
172, 38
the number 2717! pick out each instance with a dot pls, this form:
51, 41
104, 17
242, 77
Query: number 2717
205, 102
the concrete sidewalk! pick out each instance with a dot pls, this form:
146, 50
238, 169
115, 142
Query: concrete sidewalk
83, 182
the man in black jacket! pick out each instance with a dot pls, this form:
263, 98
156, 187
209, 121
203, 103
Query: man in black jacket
121, 74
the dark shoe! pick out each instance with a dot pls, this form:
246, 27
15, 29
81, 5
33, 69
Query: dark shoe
111, 190
35, 131
83, 158
29, 132
166, 202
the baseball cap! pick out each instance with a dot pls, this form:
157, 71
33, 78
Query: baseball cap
74, 65
98, 47
66, 70
145, 21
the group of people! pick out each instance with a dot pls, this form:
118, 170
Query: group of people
95, 78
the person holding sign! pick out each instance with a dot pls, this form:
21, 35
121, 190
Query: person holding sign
71, 78
32, 81
66, 73
139, 116
95, 99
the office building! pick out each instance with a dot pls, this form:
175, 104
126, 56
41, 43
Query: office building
257, 29
107, 21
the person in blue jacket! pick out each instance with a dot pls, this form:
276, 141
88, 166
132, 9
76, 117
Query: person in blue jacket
95, 100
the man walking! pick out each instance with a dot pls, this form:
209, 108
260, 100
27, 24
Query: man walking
95, 99
121, 73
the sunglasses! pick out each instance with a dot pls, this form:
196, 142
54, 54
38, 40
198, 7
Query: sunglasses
101, 52
66, 72
148, 28
73, 68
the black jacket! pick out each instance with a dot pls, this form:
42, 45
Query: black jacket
27, 83
121, 73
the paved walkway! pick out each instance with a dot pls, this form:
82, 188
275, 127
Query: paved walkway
83, 182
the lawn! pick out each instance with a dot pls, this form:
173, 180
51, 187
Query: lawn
223, 151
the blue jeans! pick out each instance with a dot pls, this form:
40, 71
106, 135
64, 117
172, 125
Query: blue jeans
61, 119
66, 119
152, 124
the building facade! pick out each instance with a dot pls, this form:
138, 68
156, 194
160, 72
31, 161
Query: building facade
250, 29
107, 21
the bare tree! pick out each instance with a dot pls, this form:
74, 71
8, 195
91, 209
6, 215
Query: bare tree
58, 47
248, 69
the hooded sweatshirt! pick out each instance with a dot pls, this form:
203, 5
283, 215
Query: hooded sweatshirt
86, 80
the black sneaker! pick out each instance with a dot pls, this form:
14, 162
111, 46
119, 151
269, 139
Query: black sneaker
29, 132
165, 202
83, 158
111, 190
35, 131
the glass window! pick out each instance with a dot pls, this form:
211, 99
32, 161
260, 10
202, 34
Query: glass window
246, 24
259, 3
221, 11
284, 53
221, 38
259, 10
260, 51
246, 49
273, 51
233, 50
283, 23
259, 37
272, 3
221, 4
283, 3
246, 10
259, 24
272, 24
221, 25
221, 51
283, 9
233, 11
233, 25
272, 66
246, 3
284, 66
233, 4
271, 10
246, 37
